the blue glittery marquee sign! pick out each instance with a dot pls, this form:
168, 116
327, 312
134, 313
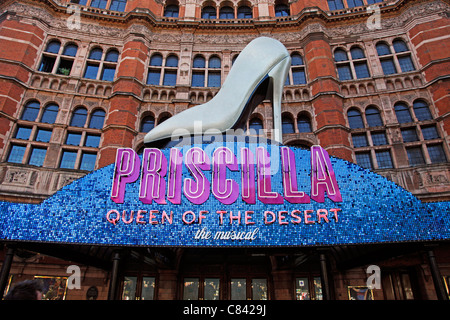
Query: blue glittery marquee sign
243, 194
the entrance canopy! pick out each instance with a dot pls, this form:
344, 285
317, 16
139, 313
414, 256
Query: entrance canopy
236, 194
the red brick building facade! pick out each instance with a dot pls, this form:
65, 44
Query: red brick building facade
80, 79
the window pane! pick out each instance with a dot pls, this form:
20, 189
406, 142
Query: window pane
357, 53
53, 47
437, 154
172, 61
198, 79
226, 13
355, 119
212, 286
409, 135
148, 288
359, 140
101, 4
118, 5
287, 125
335, 4
318, 288
296, 60
147, 124
129, 288
430, 133
31, 111
304, 124
298, 76
259, 289
156, 60
214, 79
68, 160
112, 56
383, 49
400, 46
256, 125
23, 133
282, 10
238, 289
209, 13
364, 160
340, 55
199, 62
47, 64
190, 290
70, 50
422, 111
406, 64
402, 113
37, 157
79, 117
108, 73
344, 72
96, 54
88, 161
373, 117
379, 138
384, 159
73, 138
388, 66
302, 289
97, 119
16, 154
65, 67
362, 71
354, 3
214, 62
415, 156
170, 78
92, 140
153, 77
244, 12
91, 71
50, 113
171, 11
43, 135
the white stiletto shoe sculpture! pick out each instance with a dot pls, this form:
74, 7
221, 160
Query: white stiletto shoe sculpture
259, 72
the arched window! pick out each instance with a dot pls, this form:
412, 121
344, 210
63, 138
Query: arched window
154, 74
421, 110
383, 49
172, 61
171, 11
112, 55
359, 62
357, 53
79, 117
214, 62
70, 50
303, 123
355, 119
199, 62
342, 65
147, 124
400, 46
256, 124
53, 47
163, 118
226, 13
214, 76
156, 60
282, 10
209, 13
287, 124
97, 119
96, 54
170, 72
198, 74
340, 55
31, 111
402, 113
50, 113
244, 12
373, 117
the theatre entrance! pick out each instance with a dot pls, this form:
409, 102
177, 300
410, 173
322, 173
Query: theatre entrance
227, 274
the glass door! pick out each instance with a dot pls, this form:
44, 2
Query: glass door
138, 288
200, 288
248, 289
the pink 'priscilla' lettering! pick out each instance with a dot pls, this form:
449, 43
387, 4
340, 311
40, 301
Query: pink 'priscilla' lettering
225, 190
265, 194
248, 176
323, 177
153, 185
197, 189
126, 171
174, 179
291, 194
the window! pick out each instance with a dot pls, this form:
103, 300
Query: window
335, 4
282, 10
53, 47
64, 61
97, 119
50, 113
409, 135
209, 13
437, 154
379, 138
421, 110
43, 135
308, 288
359, 63
73, 138
373, 117
101, 67
171, 11
147, 124
118, 5
384, 159
355, 119
401, 56
254, 289
138, 288
200, 73
92, 140
22, 133
402, 113
244, 12
80, 2
297, 74
287, 124
226, 13
16, 153
415, 156
354, 3
79, 117
68, 159
37, 156
101, 4
347, 68
190, 288
359, 140
303, 124
30, 111
363, 159
214, 77
88, 161
256, 125
166, 74
430, 133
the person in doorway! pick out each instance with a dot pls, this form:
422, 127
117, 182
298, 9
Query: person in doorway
26, 290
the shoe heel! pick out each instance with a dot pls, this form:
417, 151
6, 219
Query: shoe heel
278, 76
